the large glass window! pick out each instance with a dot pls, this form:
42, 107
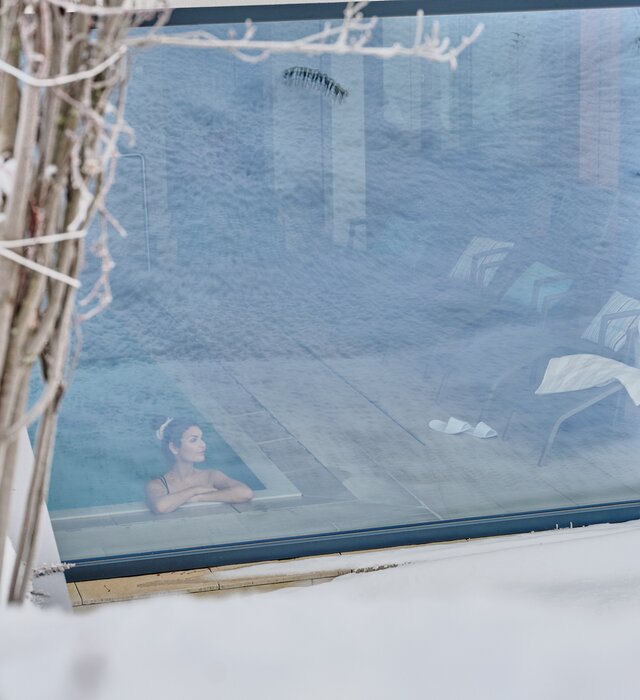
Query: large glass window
354, 299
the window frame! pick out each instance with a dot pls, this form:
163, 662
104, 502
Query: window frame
289, 11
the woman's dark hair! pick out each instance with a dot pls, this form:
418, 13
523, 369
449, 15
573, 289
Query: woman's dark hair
170, 430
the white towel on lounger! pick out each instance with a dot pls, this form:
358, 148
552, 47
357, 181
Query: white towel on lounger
575, 372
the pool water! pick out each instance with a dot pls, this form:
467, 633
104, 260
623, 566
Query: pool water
106, 449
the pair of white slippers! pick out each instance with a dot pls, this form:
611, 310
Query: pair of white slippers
454, 426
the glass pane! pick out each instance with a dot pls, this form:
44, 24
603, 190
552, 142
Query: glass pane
354, 297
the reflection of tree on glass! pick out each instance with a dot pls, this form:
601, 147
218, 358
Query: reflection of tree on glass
184, 447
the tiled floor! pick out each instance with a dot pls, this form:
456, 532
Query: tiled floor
352, 436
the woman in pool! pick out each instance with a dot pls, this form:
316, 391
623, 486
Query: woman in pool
183, 448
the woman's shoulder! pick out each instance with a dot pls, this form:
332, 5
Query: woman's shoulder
156, 483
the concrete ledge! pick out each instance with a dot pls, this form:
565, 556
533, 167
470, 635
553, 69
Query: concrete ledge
86, 516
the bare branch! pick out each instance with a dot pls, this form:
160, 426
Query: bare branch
350, 38
33, 81
41, 240
37, 267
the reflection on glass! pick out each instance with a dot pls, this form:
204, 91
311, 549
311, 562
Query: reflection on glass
317, 280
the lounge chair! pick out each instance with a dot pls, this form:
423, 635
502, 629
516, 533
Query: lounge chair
526, 311
612, 333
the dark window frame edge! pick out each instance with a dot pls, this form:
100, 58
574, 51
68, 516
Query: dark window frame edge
379, 8
293, 547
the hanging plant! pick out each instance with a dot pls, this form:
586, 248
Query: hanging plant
315, 79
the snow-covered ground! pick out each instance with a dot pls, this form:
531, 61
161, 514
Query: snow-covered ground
545, 615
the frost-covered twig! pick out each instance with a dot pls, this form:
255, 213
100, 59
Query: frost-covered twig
42, 240
33, 81
49, 569
350, 38
102, 288
37, 267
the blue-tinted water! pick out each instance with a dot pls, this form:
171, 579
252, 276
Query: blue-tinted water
106, 450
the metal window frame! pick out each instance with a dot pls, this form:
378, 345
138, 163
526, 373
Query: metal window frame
370, 538
284, 12
255, 551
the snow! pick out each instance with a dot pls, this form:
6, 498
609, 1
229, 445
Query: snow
541, 615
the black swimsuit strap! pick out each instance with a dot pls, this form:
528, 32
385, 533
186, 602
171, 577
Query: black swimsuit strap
164, 481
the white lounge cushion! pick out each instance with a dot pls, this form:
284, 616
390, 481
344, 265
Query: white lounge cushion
617, 328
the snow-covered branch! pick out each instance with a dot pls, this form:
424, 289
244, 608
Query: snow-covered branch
37, 267
49, 569
351, 37
58, 80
